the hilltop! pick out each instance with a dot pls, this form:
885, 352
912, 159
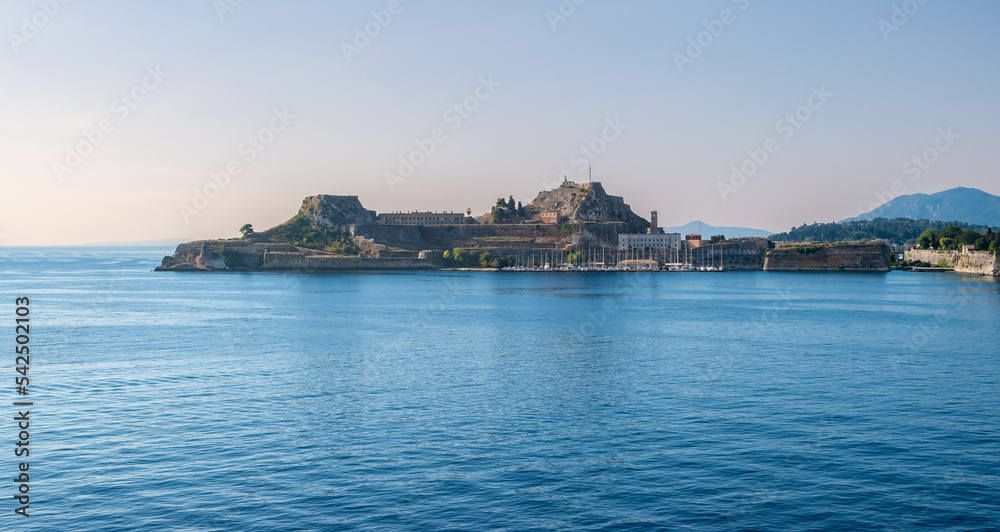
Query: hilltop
969, 205
586, 202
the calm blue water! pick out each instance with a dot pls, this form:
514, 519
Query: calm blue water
470, 401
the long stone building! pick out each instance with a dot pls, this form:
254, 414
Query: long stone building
658, 241
421, 218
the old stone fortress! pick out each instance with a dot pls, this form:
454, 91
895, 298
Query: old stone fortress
576, 226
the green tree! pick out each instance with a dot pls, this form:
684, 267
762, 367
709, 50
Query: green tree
486, 260
927, 239
499, 212
951, 232
992, 240
948, 243
968, 237
900, 231
247, 230
344, 245
717, 239
462, 258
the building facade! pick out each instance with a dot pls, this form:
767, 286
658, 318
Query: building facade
549, 217
658, 241
421, 218
694, 241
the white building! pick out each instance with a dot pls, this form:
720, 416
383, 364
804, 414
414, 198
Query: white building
666, 241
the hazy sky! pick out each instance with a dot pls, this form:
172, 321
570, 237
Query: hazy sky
318, 97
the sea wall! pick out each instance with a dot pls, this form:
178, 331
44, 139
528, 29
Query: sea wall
214, 255
975, 262
509, 236
303, 262
742, 254
869, 257
211, 255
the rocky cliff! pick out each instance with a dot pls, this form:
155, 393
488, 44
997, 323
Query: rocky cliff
336, 214
209, 255
586, 202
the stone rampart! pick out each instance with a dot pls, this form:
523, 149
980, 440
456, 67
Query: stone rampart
867, 257
975, 262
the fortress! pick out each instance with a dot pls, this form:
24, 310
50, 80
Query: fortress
575, 226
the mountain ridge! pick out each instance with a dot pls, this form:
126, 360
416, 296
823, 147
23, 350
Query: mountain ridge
707, 230
964, 204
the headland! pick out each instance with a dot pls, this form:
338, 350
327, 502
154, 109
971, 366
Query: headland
574, 227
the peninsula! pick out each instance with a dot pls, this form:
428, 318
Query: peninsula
576, 226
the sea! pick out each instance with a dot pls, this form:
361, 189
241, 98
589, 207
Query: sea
497, 401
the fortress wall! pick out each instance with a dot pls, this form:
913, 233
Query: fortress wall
606, 233
302, 262
519, 236
979, 263
976, 262
733, 255
840, 257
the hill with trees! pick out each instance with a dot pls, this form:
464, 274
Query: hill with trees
954, 238
899, 231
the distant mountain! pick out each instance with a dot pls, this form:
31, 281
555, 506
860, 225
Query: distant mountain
707, 231
963, 204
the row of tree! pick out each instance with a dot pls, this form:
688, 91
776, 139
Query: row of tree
954, 238
508, 211
901, 231
465, 258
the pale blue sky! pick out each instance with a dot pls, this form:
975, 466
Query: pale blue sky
558, 88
